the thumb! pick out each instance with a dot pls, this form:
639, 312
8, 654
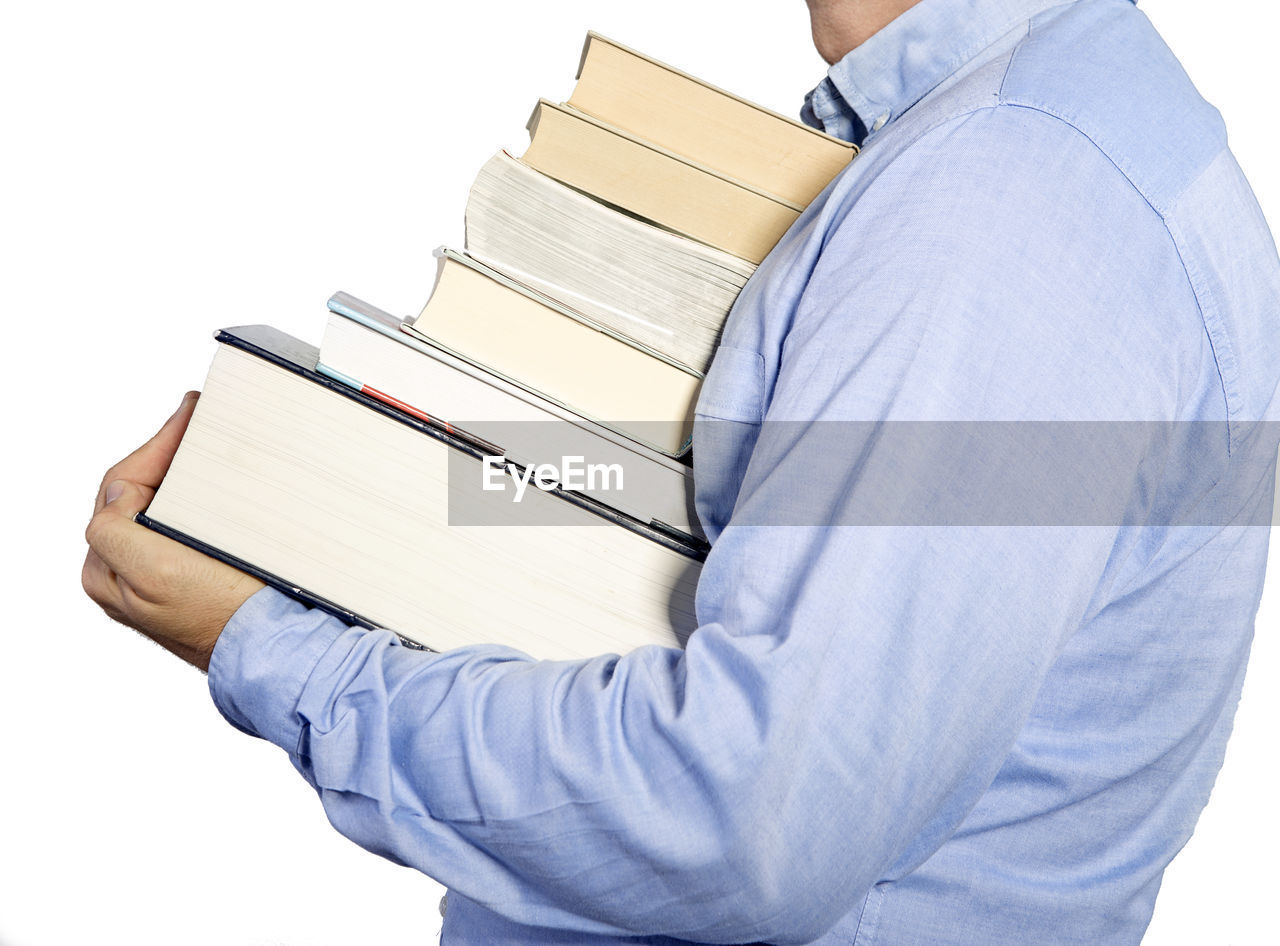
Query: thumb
149, 463
126, 499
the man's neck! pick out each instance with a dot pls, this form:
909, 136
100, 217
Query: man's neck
840, 25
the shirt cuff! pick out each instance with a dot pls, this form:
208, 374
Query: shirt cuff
262, 661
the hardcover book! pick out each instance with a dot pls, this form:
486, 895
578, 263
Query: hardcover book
658, 185
364, 348
385, 520
707, 125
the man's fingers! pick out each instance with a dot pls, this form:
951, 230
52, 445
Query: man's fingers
97, 580
101, 584
149, 463
124, 546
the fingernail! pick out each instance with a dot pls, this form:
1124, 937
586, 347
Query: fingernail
186, 399
114, 489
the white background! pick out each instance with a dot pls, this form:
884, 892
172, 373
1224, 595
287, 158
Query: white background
169, 168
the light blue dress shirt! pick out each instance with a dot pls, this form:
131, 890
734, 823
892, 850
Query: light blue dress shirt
898, 722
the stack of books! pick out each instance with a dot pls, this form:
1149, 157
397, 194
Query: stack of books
511, 466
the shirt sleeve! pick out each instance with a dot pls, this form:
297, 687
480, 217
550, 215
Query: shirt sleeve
851, 690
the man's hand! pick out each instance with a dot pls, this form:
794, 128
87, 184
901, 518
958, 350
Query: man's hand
175, 595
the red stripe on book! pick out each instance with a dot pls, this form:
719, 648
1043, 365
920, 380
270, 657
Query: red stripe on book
407, 408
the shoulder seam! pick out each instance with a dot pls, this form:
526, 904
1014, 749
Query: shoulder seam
1003, 102
1219, 343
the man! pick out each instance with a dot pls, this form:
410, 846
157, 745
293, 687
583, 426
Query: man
960, 681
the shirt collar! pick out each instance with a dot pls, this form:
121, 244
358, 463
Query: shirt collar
879, 80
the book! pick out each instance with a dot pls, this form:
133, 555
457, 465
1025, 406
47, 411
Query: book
656, 184
383, 519
668, 292
537, 343
364, 348
710, 126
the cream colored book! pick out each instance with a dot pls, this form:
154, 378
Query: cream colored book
710, 126
357, 508
365, 349
495, 323
649, 181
